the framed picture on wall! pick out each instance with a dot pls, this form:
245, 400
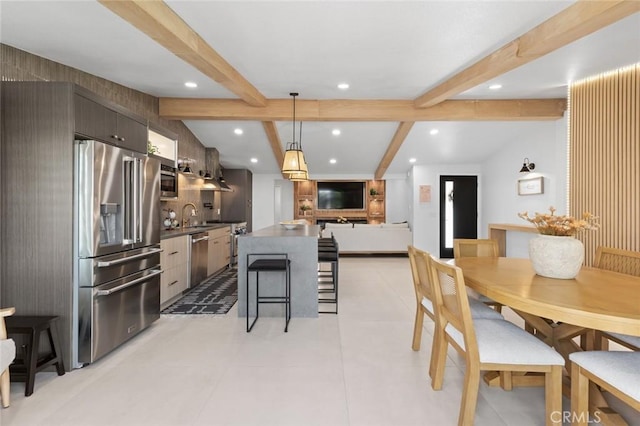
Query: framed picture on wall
531, 186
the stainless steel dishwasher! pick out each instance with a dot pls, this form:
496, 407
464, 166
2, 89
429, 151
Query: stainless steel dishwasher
199, 254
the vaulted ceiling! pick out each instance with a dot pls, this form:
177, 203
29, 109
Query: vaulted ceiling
412, 67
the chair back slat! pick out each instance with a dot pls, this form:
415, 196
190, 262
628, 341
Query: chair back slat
464, 247
451, 302
420, 271
617, 260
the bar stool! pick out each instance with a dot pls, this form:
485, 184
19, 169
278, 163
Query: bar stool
25, 368
326, 245
328, 253
270, 262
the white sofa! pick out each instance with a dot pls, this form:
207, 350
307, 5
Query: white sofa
365, 238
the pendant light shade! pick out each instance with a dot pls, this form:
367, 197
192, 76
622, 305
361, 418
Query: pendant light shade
294, 163
299, 177
293, 160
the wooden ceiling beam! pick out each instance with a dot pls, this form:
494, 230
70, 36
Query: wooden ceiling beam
363, 110
274, 141
161, 23
576, 21
398, 138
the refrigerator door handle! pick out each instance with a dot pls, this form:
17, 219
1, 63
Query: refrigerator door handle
103, 264
137, 196
129, 201
129, 284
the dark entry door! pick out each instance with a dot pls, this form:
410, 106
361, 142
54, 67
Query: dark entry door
458, 211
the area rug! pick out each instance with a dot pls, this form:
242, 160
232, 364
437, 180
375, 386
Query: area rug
214, 296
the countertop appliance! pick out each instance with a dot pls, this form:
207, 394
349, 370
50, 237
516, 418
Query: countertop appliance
237, 228
198, 255
116, 245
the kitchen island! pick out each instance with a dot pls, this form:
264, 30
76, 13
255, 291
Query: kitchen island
301, 245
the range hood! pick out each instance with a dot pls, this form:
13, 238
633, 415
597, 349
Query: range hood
213, 179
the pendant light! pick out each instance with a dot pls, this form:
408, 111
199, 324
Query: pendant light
294, 162
304, 174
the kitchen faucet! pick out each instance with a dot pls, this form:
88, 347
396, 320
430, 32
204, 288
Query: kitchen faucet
194, 212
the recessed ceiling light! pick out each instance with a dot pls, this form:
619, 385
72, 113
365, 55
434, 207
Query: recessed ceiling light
238, 131
254, 160
335, 132
333, 161
412, 160
343, 86
495, 86
191, 84
434, 131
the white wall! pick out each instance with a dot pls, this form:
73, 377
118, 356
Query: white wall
397, 200
263, 199
546, 146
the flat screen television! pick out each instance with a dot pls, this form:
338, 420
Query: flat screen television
333, 195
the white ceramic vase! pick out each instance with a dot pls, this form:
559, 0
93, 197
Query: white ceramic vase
556, 257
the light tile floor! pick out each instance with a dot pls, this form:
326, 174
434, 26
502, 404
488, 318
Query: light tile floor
356, 368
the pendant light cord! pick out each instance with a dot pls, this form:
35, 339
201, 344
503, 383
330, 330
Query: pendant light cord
293, 132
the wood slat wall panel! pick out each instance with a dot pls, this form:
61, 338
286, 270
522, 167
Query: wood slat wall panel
605, 157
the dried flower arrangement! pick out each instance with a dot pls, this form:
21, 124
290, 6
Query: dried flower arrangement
550, 224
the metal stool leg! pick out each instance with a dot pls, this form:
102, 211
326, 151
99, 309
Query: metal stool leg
287, 298
249, 327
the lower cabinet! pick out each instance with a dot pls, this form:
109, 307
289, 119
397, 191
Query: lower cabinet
219, 246
174, 260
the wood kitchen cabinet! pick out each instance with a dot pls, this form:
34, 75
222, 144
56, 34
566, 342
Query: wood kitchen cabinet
174, 261
219, 249
98, 121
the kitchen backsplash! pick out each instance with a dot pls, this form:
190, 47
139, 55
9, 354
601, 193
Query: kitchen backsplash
189, 191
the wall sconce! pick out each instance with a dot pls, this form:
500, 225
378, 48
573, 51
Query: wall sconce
184, 165
206, 174
527, 166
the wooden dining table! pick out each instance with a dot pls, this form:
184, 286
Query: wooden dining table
559, 309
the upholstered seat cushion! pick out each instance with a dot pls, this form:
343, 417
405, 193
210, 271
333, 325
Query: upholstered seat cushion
478, 309
621, 369
269, 265
632, 340
481, 311
7, 353
502, 342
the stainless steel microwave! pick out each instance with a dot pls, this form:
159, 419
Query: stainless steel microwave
168, 181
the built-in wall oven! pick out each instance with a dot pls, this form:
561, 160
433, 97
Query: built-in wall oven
168, 181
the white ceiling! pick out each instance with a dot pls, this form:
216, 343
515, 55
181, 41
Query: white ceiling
383, 49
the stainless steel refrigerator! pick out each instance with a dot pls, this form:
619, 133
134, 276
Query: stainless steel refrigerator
116, 245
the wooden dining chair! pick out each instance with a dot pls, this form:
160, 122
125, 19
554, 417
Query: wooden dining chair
487, 345
7, 354
467, 247
419, 261
624, 262
617, 372
422, 289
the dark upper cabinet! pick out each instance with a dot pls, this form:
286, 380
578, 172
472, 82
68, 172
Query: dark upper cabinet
100, 122
236, 206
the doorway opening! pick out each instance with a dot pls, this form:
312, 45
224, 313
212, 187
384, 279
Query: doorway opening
458, 211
